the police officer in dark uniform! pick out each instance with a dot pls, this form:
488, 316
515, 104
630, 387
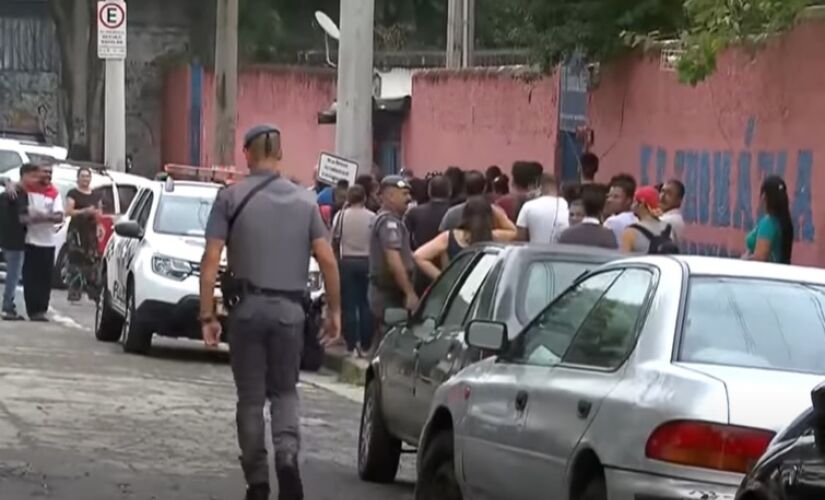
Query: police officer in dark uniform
270, 228
391, 256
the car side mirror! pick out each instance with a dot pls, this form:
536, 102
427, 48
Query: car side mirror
487, 335
394, 317
129, 229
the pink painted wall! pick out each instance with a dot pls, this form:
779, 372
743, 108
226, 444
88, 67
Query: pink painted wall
754, 117
478, 118
174, 146
289, 98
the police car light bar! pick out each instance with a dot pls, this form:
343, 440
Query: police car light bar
214, 174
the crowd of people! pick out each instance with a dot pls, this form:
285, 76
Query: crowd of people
30, 214
384, 230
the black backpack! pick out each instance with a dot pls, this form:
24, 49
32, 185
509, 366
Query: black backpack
661, 244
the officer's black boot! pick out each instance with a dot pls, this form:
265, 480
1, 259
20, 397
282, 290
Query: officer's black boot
289, 477
258, 492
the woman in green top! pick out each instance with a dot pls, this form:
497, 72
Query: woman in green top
772, 238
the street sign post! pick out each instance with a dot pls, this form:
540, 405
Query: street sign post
111, 29
111, 47
332, 169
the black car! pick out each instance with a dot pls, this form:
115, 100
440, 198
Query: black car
509, 284
793, 467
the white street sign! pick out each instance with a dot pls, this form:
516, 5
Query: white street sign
111, 29
332, 169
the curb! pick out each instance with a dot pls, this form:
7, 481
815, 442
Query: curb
349, 370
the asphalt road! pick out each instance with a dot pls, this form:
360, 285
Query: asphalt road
80, 419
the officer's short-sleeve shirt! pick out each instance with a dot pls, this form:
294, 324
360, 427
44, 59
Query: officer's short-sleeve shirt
271, 241
389, 233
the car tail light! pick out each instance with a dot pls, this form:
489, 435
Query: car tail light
710, 446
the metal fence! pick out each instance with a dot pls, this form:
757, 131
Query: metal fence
28, 44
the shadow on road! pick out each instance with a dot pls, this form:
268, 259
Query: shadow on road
188, 354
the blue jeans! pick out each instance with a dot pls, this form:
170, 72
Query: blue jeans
357, 317
14, 269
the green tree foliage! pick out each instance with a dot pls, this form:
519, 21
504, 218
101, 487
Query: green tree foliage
276, 30
714, 25
555, 30
604, 29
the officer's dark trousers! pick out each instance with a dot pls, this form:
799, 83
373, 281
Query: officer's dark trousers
265, 342
355, 282
38, 264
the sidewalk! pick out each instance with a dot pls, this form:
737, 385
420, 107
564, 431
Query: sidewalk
350, 370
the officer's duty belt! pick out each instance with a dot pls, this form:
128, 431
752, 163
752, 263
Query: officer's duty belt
293, 295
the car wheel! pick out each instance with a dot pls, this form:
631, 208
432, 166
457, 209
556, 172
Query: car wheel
437, 479
379, 452
137, 339
108, 324
596, 489
60, 269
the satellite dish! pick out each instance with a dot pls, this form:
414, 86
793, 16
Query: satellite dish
328, 25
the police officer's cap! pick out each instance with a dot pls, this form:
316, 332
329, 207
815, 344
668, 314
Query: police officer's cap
258, 131
394, 181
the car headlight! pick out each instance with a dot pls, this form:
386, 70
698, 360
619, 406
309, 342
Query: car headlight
316, 282
168, 267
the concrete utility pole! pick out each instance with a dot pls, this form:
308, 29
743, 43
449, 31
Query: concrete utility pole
226, 82
111, 47
460, 33
353, 130
114, 139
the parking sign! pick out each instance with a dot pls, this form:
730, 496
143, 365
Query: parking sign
111, 29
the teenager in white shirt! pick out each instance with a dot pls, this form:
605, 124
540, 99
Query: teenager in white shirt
620, 205
543, 219
45, 209
671, 196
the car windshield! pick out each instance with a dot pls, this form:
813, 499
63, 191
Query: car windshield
755, 323
9, 160
545, 280
183, 215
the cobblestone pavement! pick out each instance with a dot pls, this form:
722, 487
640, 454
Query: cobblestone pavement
81, 420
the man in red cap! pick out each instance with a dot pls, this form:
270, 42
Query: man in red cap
650, 234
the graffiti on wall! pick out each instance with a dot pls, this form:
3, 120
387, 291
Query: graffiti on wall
722, 186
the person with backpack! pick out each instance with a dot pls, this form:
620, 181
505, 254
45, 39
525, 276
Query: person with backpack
650, 235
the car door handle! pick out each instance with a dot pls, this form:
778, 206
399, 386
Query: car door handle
583, 408
521, 400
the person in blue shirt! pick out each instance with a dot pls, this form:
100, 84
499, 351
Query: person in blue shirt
772, 238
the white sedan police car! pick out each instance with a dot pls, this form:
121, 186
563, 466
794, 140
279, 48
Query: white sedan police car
151, 267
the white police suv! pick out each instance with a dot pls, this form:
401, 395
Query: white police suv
151, 267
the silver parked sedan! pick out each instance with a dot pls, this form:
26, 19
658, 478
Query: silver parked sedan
657, 378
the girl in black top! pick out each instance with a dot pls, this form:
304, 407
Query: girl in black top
83, 205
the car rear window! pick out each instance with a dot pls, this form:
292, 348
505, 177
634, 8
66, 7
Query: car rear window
755, 323
545, 280
9, 160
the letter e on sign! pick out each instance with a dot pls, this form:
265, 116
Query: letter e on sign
111, 29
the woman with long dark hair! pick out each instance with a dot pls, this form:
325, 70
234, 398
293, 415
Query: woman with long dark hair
772, 238
477, 226
83, 205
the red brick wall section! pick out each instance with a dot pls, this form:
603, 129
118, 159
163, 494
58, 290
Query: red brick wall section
289, 98
756, 116
474, 119
175, 116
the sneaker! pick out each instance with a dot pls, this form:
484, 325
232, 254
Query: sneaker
12, 316
289, 477
75, 295
258, 492
39, 318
